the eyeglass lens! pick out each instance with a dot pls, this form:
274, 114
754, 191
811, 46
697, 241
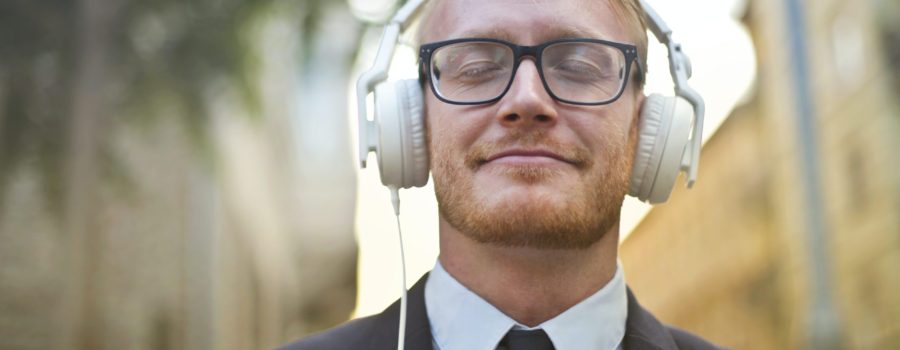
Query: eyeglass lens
581, 72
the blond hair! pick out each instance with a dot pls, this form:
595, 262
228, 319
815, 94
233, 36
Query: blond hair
629, 12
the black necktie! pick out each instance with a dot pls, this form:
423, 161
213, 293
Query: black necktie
526, 340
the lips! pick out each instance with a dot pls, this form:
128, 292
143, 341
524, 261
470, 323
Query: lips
525, 154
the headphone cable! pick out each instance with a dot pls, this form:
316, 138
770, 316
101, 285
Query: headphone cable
401, 334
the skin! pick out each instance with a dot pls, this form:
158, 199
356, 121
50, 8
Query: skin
529, 188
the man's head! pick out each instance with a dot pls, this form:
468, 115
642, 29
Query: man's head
528, 170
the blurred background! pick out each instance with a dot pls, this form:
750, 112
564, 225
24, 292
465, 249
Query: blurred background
182, 175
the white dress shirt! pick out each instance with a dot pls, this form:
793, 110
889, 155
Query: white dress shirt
461, 320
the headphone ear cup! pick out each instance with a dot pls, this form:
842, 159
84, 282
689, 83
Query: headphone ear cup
662, 137
401, 149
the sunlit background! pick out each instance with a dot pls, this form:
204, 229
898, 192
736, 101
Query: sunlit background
182, 175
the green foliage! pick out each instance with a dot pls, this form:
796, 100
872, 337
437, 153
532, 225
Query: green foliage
36, 55
164, 56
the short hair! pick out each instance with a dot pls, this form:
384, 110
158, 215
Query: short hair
629, 12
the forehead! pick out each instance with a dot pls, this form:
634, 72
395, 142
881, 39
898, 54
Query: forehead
526, 22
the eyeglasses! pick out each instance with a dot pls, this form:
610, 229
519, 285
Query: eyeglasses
480, 70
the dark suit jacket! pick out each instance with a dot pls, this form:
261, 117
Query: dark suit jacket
379, 332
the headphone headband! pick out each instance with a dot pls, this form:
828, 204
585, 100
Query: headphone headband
378, 74
680, 69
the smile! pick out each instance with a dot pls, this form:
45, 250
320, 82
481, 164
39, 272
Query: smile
527, 158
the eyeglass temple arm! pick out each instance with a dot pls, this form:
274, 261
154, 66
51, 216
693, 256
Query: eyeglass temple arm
680, 69
368, 131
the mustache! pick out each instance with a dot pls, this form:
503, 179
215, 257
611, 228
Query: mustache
480, 152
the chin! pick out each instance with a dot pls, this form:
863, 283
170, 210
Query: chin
533, 216
523, 197
529, 186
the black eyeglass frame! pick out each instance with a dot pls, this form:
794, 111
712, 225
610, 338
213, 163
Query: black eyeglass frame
519, 51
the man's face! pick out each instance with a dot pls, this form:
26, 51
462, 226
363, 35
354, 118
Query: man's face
528, 170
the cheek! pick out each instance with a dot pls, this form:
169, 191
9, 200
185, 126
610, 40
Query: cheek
433, 128
451, 129
443, 135
606, 134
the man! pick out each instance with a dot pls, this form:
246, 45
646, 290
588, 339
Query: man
532, 109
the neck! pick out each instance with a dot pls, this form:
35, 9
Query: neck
529, 285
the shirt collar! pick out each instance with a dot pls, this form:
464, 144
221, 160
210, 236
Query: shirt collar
460, 319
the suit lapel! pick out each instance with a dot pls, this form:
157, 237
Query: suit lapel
418, 329
643, 331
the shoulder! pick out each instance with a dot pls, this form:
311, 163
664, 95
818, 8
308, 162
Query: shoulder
377, 332
350, 335
644, 331
688, 341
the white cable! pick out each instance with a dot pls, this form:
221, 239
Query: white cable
401, 334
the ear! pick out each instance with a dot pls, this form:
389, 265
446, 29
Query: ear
426, 93
639, 98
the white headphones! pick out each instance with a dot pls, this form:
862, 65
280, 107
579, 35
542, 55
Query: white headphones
666, 145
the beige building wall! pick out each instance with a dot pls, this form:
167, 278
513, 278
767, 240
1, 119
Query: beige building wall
729, 258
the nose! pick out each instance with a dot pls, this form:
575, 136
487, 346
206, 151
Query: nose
527, 103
